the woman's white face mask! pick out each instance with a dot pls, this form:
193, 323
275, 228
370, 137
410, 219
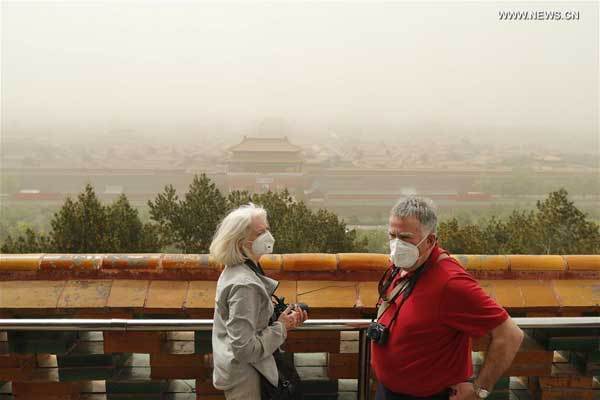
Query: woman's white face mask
403, 254
263, 244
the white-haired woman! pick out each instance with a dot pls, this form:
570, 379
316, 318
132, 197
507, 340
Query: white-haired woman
242, 338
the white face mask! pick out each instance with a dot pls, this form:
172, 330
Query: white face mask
263, 244
404, 255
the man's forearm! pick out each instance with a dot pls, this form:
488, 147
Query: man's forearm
499, 357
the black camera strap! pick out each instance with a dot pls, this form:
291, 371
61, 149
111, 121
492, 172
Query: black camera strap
404, 288
385, 282
257, 269
254, 267
405, 292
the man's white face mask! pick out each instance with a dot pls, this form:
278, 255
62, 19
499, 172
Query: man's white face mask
403, 254
263, 244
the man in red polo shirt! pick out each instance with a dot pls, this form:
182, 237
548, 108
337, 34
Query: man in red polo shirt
427, 351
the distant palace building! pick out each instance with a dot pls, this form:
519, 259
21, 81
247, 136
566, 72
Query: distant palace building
263, 164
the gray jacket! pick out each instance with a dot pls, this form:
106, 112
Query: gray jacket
242, 337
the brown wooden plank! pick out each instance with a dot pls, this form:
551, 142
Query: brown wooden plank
15, 367
342, 366
567, 394
133, 342
312, 342
566, 376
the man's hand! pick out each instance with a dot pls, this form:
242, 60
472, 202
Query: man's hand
463, 391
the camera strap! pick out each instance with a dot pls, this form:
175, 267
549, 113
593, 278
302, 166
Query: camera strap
257, 269
385, 281
404, 288
406, 291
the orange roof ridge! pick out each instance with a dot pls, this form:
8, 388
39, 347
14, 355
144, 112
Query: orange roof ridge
286, 263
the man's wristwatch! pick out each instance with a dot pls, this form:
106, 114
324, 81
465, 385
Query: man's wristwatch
480, 392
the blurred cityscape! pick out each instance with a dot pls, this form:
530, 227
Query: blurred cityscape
359, 180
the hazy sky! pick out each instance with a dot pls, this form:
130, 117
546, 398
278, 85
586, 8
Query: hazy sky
382, 68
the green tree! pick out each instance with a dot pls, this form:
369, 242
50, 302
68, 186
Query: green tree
164, 210
127, 233
87, 226
521, 233
377, 240
80, 226
459, 239
189, 224
335, 237
556, 226
298, 229
30, 242
563, 228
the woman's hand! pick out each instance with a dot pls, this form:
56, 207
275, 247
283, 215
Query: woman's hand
303, 314
292, 318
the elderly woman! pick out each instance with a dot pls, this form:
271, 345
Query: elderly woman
242, 338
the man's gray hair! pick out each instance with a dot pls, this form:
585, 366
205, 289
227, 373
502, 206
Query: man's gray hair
421, 208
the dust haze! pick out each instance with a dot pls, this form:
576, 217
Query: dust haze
180, 72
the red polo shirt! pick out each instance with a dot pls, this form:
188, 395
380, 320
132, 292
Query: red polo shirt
429, 347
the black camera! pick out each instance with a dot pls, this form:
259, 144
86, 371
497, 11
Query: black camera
377, 332
280, 307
